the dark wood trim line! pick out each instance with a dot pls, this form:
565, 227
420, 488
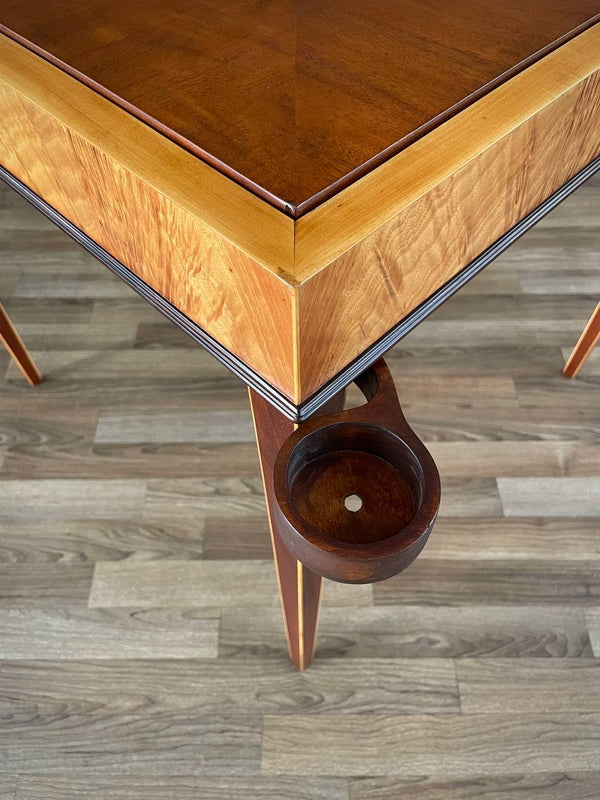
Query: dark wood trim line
310, 203
359, 364
193, 330
406, 325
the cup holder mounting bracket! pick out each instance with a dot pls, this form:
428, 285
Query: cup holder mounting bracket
357, 492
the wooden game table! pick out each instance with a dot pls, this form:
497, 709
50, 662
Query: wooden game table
297, 186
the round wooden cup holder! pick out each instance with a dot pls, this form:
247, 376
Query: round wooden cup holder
357, 491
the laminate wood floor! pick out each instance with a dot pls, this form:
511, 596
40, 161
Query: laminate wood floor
141, 644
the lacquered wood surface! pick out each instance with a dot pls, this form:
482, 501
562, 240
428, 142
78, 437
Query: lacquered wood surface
334, 281
347, 219
294, 100
330, 284
243, 219
361, 294
154, 207
300, 589
132, 468
357, 492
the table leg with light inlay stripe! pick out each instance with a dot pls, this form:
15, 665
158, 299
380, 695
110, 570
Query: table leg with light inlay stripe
10, 338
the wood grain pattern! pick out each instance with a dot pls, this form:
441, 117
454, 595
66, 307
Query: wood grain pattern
85, 541
209, 744
68, 633
552, 785
205, 427
409, 631
377, 282
552, 497
45, 586
252, 225
237, 538
532, 396
8, 785
148, 685
41, 460
544, 459
206, 583
518, 538
335, 280
342, 222
186, 787
592, 619
574, 583
300, 588
186, 498
436, 746
80, 160
294, 100
486, 686
22, 500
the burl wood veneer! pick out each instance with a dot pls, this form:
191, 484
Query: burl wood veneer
152, 205
460, 192
209, 178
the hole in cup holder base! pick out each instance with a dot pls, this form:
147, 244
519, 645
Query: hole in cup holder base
387, 497
353, 503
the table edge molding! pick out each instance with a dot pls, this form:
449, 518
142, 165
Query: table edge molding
445, 292
296, 249
298, 413
233, 362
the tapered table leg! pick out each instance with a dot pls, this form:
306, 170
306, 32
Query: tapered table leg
14, 344
299, 588
584, 346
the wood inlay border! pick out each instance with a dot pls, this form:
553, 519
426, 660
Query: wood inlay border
300, 54
298, 249
136, 209
252, 225
325, 233
357, 298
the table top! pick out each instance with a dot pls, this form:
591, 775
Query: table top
441, 130
294, 100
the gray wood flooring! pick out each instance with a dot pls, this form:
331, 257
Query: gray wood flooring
142, 653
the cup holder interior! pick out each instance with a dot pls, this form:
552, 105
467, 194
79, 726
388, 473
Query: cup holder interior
355, 483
